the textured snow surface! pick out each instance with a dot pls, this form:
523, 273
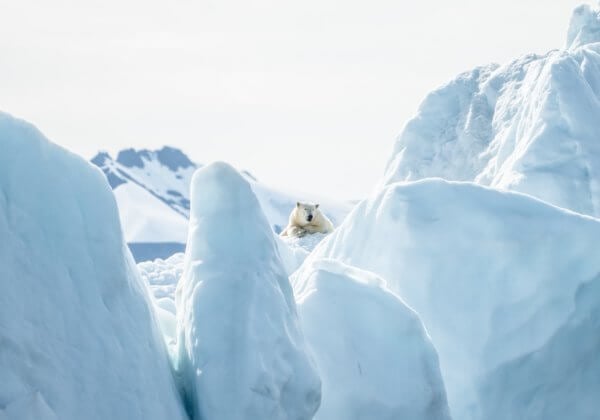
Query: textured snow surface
373, 354
78, 338
530, 125
294, 250
507, 287
241, 353
162, 277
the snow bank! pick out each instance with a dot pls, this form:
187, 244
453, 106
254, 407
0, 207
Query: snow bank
307, 242
502, 284
373, 354
77, 335
294, 250
529, 126
241, 352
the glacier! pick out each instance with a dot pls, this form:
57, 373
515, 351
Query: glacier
241, 353
528, 126
78, 337
500, 281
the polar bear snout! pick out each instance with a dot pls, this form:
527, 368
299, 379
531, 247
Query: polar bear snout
309, 217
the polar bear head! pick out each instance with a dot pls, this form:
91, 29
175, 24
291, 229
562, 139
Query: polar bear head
305, 213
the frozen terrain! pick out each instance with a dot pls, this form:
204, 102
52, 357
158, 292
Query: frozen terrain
241, 353
505, 285
375, 359
163, 275
467, 284
530, 125
78, 338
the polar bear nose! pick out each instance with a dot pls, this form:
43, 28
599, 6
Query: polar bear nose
309, 217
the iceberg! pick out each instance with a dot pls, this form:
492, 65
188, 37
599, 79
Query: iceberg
505, 284
374, 356
528, 126
241, 353
78, 337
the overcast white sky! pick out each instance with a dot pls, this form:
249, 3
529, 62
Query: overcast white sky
308, 95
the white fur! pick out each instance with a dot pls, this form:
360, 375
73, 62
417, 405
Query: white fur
299, 225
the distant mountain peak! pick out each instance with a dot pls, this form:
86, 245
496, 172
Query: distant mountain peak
133, 158
101, 158
168, 156
164, 173
173, 158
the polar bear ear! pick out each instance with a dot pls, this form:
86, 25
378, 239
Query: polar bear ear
316, 206
297, 204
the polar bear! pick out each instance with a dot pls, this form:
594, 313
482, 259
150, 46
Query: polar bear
307, 218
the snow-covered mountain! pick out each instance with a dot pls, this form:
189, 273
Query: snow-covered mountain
152, 192
152, 188
530, 125
164, 173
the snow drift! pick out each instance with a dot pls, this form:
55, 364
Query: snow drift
77, 335
373, 354
530, 125
505, 285
241, 353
